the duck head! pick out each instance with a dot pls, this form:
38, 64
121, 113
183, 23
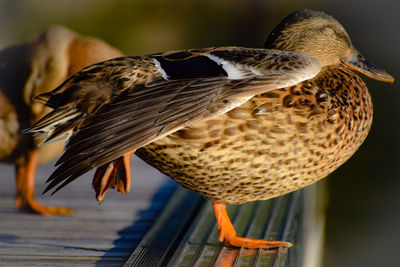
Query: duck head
57, 53
319, 35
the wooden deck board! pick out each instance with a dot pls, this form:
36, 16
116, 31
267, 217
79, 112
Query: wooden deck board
193, 241
103, 234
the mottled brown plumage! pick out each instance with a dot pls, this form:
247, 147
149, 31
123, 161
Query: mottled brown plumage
273, 144
220, 121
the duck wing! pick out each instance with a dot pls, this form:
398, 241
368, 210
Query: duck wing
123, 104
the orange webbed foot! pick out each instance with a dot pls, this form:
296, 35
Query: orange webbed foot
32, 206
116, 174
25, 180
227, 233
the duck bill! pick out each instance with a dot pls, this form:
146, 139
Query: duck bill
357, 62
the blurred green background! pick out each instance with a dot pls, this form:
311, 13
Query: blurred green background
363, 216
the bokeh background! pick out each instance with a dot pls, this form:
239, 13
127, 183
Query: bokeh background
363, 215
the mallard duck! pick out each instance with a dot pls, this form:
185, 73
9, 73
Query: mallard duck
28, 70
233, 124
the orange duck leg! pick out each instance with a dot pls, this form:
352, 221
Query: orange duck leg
25, 179
116, 174
227, 233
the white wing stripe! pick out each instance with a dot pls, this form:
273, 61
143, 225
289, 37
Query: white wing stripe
233, 72
160, 69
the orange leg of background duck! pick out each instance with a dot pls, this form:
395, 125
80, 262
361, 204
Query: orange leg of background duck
25, 179
227, 233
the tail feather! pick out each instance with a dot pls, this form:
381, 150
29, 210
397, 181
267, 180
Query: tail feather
53, 98
49, 99
42, 98
53, 119
56, 125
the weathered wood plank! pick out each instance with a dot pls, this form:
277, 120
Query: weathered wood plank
56, 234
197, 244
59, 262
102, 234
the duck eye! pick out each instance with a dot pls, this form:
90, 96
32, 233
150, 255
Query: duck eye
37, 80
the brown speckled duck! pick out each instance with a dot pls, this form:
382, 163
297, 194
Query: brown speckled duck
27, 70
230, 123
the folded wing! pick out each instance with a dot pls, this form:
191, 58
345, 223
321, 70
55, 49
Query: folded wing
120, 105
